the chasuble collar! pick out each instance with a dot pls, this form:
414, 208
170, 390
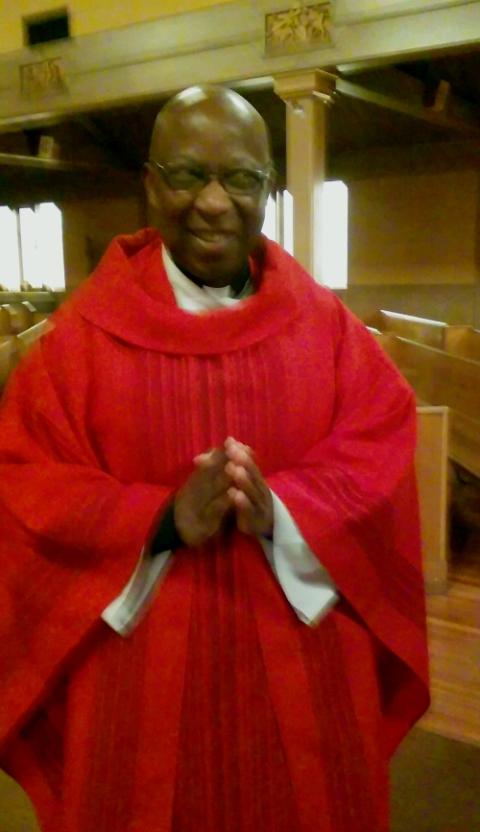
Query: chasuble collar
129, 296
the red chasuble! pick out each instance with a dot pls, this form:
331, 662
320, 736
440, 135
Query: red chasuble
221, 712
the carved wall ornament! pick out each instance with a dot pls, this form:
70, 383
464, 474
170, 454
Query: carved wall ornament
298, 28
43, 78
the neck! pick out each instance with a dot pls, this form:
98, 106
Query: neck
236, 283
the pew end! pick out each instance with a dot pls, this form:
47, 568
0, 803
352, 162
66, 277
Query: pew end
27, 338
21, 315
463, 341
8, 357
431, 463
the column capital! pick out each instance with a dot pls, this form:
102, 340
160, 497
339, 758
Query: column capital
309, 83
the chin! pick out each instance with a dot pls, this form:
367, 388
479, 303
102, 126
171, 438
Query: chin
211, 273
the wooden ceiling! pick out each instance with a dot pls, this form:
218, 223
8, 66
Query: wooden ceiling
375, 110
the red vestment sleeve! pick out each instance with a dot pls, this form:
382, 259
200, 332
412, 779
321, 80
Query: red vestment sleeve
353, 497
71, 535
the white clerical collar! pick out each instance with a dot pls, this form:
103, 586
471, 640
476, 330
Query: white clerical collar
193, 298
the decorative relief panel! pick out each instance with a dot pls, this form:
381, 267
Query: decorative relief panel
43, 78
298, 28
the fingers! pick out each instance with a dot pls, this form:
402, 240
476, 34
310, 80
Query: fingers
250, 494
244, 511
208, 459
239, 499
244, 471
249, 482
210, 473
238, 452
227, 479
217, 510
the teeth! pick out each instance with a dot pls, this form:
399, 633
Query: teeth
210, 237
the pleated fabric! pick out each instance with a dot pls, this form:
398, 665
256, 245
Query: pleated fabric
222, 712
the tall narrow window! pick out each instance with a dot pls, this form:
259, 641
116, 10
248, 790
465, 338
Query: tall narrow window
10, 273
42, 246
270, 221
334, 240
32, 248
288, 222
334, 232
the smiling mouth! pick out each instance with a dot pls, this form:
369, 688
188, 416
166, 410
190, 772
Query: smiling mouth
214, 237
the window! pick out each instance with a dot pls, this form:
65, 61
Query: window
270, 221
46, 28
32, 248
334, 245
278, 226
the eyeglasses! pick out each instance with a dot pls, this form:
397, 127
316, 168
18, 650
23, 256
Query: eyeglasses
193, 178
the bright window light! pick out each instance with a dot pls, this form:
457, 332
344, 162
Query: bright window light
288, 222
42, 246
334, 233
10, 275
269, 227
334, 240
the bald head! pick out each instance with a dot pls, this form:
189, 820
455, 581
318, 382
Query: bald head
207, 102
208, 180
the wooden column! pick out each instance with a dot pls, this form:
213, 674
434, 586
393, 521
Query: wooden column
307, 95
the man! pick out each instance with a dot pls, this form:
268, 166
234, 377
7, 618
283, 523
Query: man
213, 609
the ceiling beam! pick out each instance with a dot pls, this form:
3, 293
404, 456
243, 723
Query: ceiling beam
117, 152
223, 44
16, 160
394, 90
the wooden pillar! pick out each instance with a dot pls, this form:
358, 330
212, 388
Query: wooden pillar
307, 95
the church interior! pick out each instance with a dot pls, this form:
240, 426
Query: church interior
383, 97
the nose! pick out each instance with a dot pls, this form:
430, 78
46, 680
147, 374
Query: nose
213, 199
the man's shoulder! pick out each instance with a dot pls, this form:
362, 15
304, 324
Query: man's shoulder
314, 300
291, 272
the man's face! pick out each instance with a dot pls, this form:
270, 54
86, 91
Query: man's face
209, 231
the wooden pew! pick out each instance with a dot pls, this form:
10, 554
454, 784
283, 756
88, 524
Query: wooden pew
463, 341
444, 379
431, 465
408, 326
27, 338
39, 316
14, 347
8, 351
21, 315
5, 321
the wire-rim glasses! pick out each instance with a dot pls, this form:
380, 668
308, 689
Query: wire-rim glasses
193, 178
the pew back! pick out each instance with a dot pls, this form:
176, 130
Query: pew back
431, 465
408, 326
443, 379
7, 357
5, 321
21, 315
27, 338
463, 341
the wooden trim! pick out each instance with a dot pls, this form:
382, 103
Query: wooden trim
223, 44
432, 477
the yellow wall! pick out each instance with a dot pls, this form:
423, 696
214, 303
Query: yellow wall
418, 229
88, 16
88, 227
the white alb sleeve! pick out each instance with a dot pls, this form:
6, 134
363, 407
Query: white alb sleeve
306, 583
126, 610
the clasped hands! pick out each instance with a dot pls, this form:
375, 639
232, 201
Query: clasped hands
226, 481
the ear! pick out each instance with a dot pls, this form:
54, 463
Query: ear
150, 185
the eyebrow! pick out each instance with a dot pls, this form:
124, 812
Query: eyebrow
243, 163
